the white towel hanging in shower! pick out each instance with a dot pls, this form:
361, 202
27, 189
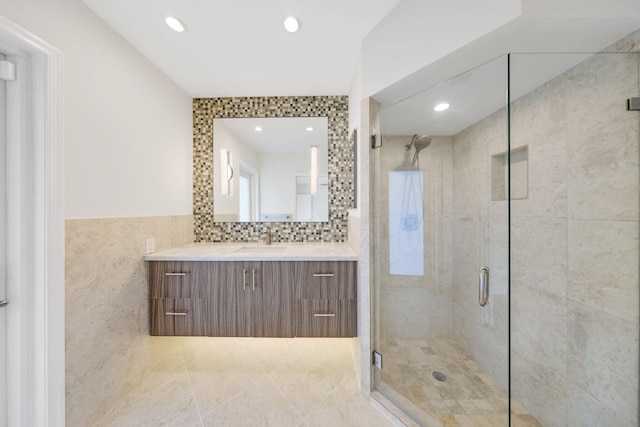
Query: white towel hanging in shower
406, 238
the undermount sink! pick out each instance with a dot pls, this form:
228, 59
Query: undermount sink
261, 249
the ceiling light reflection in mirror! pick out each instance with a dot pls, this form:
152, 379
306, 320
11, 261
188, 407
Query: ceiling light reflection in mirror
277, 175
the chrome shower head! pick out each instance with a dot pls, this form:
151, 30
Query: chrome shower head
419, 142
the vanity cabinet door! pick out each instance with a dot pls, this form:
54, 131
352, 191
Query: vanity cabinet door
272, 308
252, 299
229, 302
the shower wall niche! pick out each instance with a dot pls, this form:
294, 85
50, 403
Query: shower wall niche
510, 174
544, 190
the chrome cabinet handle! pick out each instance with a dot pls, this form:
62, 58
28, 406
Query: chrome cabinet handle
323, 274
324, 315
483, 287
253, 280
171, 313
175, 274
4, 303
244, 279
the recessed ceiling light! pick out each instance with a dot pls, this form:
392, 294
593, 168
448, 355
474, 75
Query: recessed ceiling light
291, 24
174, 23
441, 107
258, 129
309, 129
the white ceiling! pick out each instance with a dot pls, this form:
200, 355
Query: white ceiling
475, 94
240, 48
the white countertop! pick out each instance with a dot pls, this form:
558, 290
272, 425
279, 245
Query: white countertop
257, 252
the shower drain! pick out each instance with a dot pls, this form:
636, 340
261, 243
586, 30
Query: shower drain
439, 376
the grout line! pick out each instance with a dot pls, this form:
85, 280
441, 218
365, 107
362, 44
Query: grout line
193, 393
295, 411
321, 401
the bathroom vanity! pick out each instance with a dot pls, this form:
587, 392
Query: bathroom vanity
253, 290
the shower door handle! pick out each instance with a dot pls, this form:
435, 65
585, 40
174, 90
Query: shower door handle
483, 287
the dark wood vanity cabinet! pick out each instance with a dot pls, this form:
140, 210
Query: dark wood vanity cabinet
253, 298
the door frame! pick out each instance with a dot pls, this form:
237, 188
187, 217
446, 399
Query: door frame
35, 288
254, 183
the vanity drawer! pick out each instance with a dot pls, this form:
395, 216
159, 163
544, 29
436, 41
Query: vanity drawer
178, 279
326, 318
178, 317
325, 280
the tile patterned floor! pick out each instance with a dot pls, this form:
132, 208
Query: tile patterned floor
469, 397
249, 382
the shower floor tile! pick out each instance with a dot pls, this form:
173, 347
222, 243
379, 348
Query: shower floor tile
470, 396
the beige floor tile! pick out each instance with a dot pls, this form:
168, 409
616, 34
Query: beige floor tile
524, 421
228, 355
346, 406
494, 420
448, 420
169, 405
230, 382
464, 420
305, 391
214, 389
259, 405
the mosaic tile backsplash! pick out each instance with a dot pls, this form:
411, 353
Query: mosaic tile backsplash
341, 193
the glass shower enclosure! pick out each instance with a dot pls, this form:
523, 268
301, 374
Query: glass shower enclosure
504, 242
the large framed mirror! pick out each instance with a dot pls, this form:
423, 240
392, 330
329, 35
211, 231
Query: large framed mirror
271, 169
210, 223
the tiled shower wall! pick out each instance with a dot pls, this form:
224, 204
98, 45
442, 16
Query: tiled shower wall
574, 244
575, 247
108, 347
341, 193
480, 233
416, 307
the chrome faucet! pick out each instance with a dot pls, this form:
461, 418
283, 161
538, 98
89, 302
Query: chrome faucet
267, 236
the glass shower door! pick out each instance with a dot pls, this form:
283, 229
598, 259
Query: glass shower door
440, 224
531, 179
574, 245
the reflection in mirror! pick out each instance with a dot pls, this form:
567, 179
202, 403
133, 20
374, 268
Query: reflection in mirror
270, 169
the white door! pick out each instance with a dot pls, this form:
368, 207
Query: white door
32, 228
3, 240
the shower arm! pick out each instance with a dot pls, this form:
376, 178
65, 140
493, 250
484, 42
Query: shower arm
408, 146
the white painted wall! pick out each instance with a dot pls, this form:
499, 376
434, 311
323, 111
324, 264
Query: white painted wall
277, 181
128, 129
